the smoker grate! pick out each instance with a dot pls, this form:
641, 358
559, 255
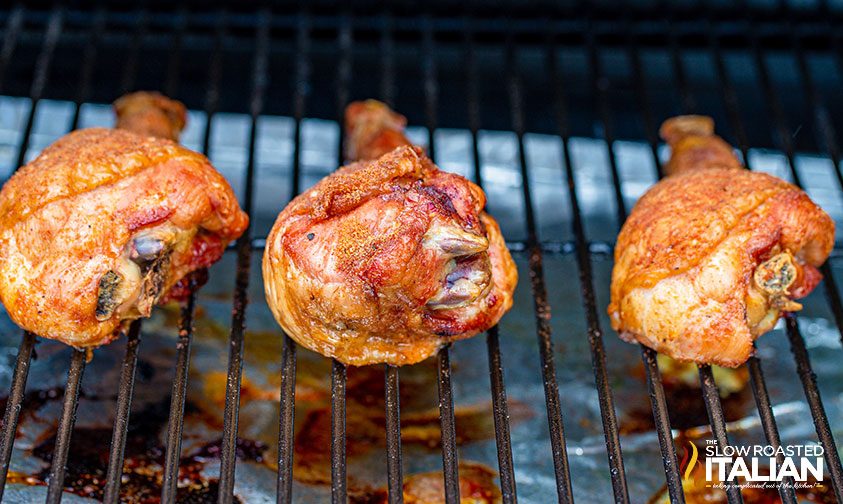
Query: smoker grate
751, 29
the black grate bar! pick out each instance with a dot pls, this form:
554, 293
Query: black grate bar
686, 99
500, 410
392, 397
821, 113
287, 421
759, 386
174, 62
812, 395
13, 405
450, 462
826, 129
661, 418
431, 87
55, 483
713, 406
643, 100
24, 357
595, 333
127, 376
500, 414
130, 71
178, 394
649, 358
177, 398
345, 39
387, 48
121, 417
542, 307
42, 67
393, 437
10, 39
287, 409
768, 422
228, 455
600, 85
339, 490
339, 479
803, 364
89, 57
450, 458
711, 395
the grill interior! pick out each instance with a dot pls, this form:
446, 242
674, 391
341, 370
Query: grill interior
770, 75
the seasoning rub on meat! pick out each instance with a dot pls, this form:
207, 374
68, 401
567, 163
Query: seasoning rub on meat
106, 223
711, 256
388, 258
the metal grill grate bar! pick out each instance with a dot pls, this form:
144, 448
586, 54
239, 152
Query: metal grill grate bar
287, 421
812, 395
450, 462
542, 307
228, 455
768, 422
339, 481
595, 333
661, 418
10, 40
287, 409
803, 364
177, 398
13, 405
655, 388
392, 399
450, 458
393, 437
500, 409
711, 396
70, 402
42, 67
121, 417
759, 387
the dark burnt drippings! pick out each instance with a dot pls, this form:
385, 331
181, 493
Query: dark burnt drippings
685, 405
144, 458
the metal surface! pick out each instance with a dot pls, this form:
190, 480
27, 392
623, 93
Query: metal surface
432, 34
125, 389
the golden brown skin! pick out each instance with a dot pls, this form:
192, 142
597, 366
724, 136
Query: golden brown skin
150, 113
387, 259
103, 225
709, 258
693, 145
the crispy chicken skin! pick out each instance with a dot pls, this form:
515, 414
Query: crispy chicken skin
388, 258
710, 257
104, 224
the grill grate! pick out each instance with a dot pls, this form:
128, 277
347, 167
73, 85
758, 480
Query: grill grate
306, 28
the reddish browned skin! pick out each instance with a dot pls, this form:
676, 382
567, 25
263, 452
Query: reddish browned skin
68, 215
352, 264
685, 258
372, 129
